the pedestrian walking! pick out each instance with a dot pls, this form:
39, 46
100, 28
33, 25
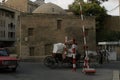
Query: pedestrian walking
100, 55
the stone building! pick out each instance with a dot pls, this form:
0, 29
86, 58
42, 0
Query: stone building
8, 24
112, 23
49, 8
41, 29
40, 25
24, 5
48, 24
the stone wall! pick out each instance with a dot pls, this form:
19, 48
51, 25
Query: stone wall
20, 5
46, 32
113, 23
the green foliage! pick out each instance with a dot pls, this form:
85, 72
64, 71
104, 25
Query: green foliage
94, 9
104, 0
90, 9
107, 35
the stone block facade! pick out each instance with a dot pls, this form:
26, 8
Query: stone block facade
40, 31
112, 23
21, 5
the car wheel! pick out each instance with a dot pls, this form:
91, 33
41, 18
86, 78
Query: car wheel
13, 69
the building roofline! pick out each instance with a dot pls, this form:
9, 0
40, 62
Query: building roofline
33, 3
4, 6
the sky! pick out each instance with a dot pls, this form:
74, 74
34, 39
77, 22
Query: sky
111, 5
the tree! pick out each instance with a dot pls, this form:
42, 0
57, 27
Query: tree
97, 1
90, 9
93, 8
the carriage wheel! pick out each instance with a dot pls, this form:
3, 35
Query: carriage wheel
52, 63
49, 61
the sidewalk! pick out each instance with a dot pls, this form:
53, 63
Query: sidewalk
116, 75
106, 71
101, 74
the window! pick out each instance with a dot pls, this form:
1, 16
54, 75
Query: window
59, 24
2, 34
11, 26
31, 51
53, 9
2, 23
2, 13
11, 34
86, 31
30, 31
12, 16
7, 14
3, 52
48, 49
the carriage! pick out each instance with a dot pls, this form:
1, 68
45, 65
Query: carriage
59, 58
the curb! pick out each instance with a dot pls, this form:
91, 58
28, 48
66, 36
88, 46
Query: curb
115, 75
32, 59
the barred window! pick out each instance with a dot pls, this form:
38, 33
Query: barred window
59, 24
31, 51
11, 34
30, 31
2, 34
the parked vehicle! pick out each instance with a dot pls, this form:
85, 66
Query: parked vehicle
6, 61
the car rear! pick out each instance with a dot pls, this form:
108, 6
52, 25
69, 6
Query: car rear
8, 62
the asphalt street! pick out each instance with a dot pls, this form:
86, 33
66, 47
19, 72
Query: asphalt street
37, 71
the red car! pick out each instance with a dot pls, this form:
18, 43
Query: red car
7, 62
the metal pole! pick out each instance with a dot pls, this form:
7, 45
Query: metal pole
86, 68
74, 54
65, 48
82, 18
85, 43
20, 38
81, 11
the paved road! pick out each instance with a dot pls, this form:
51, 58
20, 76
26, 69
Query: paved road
37, 71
